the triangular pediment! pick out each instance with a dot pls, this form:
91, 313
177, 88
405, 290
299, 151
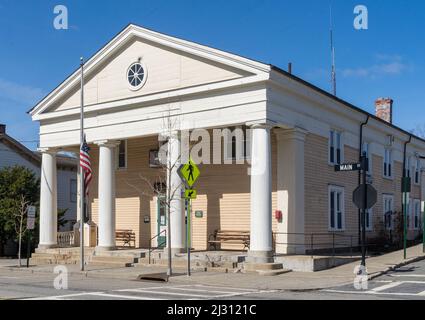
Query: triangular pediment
169, 64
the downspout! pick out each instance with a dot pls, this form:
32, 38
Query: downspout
360, 176
403, 206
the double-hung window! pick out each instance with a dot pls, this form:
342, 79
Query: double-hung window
122, 155
335, 147
388, 163
416, 214
336, 209
417, 178
366, 151
237, 144
408, 166
388, 211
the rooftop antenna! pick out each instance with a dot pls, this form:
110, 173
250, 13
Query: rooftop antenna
333, 72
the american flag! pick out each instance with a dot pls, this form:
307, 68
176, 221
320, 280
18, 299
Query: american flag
86, 165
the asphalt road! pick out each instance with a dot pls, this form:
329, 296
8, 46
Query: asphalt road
407, 283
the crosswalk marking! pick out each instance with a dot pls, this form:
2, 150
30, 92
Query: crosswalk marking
407, 275
189, 292
223, 287
168, 293
387, 286
120, 296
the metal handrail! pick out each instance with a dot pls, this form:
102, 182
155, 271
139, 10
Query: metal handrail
333, 240
150, 243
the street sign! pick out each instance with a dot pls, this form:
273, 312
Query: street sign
190, 194
31, 217
347, 167
189, 173
359, 193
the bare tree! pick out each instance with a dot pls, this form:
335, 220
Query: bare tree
20, 228
419, 130
164, 186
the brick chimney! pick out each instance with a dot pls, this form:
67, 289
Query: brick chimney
384, 109
2, 128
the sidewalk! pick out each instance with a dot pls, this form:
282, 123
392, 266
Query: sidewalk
296, 281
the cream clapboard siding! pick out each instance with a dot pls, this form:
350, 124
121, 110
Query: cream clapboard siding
319, 175
167, 70
223, 196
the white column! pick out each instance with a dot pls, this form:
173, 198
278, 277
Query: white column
106, 195
261, 248
48, 200
177, 218
290, 190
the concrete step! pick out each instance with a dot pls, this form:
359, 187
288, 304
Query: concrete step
262, 266
111, 263
47, 261
122, 254
113, 259
272, 272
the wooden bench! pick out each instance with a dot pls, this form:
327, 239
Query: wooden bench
229, 237
126, 236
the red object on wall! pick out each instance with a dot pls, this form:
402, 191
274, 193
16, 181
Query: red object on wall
278, 215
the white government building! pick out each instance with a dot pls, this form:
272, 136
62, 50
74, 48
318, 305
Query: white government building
299, 132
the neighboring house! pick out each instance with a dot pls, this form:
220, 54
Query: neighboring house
13, 153
298, 134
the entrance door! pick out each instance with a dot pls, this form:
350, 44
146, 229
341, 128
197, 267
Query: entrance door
162, 221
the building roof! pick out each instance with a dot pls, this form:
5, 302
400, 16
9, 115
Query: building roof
63, 161
270, 66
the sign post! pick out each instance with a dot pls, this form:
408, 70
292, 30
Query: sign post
31, 212
364, 197
189, 173
406, 188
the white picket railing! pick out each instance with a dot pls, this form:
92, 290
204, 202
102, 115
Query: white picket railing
66, 239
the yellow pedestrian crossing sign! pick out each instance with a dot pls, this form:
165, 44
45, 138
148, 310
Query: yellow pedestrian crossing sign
189, 172
190, 194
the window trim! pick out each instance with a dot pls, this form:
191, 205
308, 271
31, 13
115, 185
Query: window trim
70, 190
332, 143
369, 156
145, 76
334, 188
416, 204
391, 164
228, 145
417, 172
370, 227
384, 198
118, 156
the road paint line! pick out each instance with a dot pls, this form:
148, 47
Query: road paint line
374, 293
240, 294
63, 296
407, 275
151, 288
421, 293
387, 286
167, 293
406, 281
223, 287
119, 296
206, 290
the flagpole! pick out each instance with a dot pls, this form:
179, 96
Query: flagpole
82, 187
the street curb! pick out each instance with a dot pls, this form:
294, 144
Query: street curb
397, 266
102, 273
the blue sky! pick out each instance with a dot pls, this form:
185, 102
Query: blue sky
385, 60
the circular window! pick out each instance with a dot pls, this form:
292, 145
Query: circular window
136, 76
